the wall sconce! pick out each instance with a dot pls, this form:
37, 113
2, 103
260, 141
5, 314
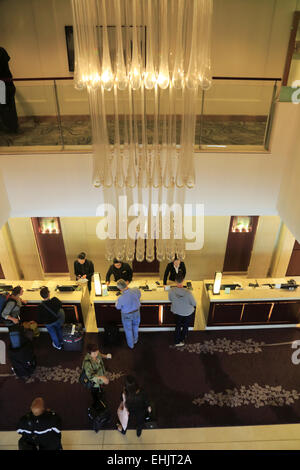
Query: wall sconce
97, 284
217, 283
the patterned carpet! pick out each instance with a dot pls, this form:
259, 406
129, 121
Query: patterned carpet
231, 378
76, 130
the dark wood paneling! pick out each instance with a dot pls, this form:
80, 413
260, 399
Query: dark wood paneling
294, 264
239, 248
145, 266
256, 312
1, 273
51, 249
106, 313
286, 312
73, 313
224, 313
169, 318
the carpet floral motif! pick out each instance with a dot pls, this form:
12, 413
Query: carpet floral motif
59, 374
255, 394
222, 345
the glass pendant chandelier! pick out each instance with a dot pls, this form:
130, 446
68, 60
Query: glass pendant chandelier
156, 54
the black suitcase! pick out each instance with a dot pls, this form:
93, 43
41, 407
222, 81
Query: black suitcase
99, 415
23, 360
111, 335
73, 337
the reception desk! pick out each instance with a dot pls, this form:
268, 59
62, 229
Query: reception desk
155, 305
75, 303
263, 305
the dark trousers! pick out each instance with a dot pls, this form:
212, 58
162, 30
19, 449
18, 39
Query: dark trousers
182, 326
97, 395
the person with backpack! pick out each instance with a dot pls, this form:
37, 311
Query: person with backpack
50, 314
11, 310
40, 428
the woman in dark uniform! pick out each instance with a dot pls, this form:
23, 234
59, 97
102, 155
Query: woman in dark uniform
173, 269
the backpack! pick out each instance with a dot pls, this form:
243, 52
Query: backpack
99, 415
4, 298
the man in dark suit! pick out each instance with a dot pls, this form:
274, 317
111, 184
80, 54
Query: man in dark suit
173, 269
120, 271
84, 269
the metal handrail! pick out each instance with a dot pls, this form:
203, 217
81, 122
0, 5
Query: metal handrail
9, 79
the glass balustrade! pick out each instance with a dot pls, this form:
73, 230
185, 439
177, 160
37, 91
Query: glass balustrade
53, 115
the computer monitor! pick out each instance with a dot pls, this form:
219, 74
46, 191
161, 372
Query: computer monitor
217, 283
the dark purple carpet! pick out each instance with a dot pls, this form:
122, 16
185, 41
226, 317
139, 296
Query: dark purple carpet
224, 378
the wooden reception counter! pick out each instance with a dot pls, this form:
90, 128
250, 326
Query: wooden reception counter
155, 306
75, 303
265, 304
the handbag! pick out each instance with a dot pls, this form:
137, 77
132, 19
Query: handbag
150, 422
84, 380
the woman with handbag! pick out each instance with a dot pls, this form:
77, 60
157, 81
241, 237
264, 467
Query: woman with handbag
135, 405
94, 369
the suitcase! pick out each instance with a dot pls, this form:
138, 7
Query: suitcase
73, 337
111, 335
99, 416
23, 360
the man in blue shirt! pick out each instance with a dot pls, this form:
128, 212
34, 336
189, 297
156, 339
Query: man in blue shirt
129, 304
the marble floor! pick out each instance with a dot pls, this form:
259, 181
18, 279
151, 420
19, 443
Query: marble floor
281, 437
76, 131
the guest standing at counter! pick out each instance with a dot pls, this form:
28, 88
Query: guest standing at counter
183, 305
11, 310
120, 270
129, 304
84, 269
173, 269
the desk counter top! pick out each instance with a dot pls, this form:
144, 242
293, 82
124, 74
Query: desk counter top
33, 296
261, 293
156, 294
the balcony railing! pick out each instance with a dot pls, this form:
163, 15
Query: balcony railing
235, 113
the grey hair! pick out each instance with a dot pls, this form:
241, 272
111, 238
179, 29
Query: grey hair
121, 284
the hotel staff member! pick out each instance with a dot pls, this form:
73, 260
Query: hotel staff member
173, 269
120, 271
84, 269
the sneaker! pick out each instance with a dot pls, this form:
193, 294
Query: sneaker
179, 344
57, 347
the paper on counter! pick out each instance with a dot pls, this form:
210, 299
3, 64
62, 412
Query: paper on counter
36, 285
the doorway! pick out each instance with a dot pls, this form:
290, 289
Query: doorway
50, 243
294, 264
292, 62
240, 241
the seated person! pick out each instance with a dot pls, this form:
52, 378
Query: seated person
84, 269
173, 269
120, 270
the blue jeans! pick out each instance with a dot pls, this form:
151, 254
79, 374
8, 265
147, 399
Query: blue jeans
55, 331
131, 323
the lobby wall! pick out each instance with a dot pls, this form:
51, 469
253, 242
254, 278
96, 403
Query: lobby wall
38, 49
